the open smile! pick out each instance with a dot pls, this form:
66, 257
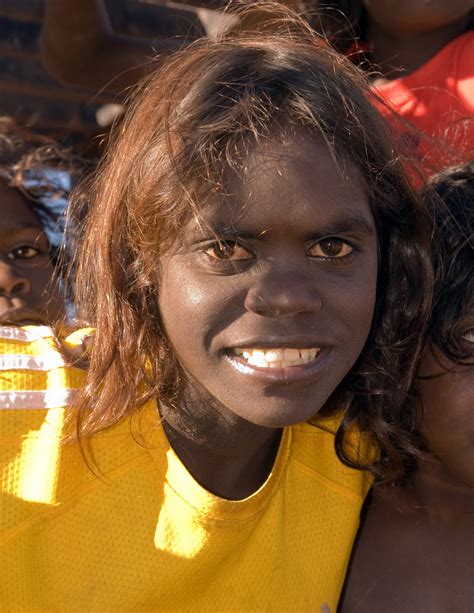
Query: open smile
277, 358
285, 364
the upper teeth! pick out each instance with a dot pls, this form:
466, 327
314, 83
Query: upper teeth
277, 358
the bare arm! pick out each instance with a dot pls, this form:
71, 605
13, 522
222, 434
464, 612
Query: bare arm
79, 46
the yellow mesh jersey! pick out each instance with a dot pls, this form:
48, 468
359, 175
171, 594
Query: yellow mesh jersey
144, 535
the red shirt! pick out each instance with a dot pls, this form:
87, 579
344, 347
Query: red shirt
438, 99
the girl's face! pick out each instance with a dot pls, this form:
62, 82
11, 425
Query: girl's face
269, 302
412, 16
448, 407
28, 293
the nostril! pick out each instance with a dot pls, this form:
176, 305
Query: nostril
12, 281
280, 301
19, 288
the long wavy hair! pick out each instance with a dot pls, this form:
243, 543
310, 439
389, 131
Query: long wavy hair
453, 260
183, 127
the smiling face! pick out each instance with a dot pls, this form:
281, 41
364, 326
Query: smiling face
270, 317
447, 393
27, 294
411, 16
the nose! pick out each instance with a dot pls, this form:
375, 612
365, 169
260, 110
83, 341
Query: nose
284, 294
11, 283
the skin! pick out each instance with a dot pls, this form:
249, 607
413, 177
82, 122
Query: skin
278, 283
450, 433
27, 293
423, 533
405, 34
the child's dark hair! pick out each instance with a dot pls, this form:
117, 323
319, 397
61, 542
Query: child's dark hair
186, 124
41, 170
346, 21
454, 260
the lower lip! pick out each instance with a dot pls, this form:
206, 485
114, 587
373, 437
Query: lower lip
291, 374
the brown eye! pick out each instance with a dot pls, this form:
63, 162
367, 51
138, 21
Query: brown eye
330, 248
228, 250
23, 252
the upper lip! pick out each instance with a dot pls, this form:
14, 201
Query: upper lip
297, 342
20, 315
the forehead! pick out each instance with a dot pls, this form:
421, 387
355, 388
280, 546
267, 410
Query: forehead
15, 210
290, 182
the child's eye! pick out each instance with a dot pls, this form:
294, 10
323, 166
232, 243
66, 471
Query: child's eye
228, 250
24, 252
330, 248
468, 336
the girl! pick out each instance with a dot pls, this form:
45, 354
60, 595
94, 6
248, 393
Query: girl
253, 254
424, 51
423, 531
33, 192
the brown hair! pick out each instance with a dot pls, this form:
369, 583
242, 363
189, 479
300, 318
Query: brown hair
183, 126
453, 259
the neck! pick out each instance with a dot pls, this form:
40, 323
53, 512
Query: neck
227, 455
399, 54
439, 494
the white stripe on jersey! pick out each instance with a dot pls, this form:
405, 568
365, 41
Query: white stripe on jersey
36, 399
45, 361
25, 334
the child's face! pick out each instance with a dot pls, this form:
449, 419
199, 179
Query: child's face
27, 294
448, 407
412, 16
269, 322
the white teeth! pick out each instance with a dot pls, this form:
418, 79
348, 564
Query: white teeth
305, 354
257, 358
277, 358
291, 354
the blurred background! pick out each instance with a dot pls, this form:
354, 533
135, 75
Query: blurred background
75, 114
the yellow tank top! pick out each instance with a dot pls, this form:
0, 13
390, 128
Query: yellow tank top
143, 535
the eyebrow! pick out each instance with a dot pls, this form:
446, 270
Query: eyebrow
351, 222
19, 226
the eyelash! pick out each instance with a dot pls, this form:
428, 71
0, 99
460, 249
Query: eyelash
223, 244
469, 331
14, 254
234, 244
335, 259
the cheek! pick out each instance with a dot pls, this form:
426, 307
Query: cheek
448, 409
353, 298
42, 277
192, 308
43, 281
194, 296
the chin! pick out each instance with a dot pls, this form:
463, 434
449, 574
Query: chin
280, 416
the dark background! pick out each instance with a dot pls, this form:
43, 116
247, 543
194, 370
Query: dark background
36, 99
